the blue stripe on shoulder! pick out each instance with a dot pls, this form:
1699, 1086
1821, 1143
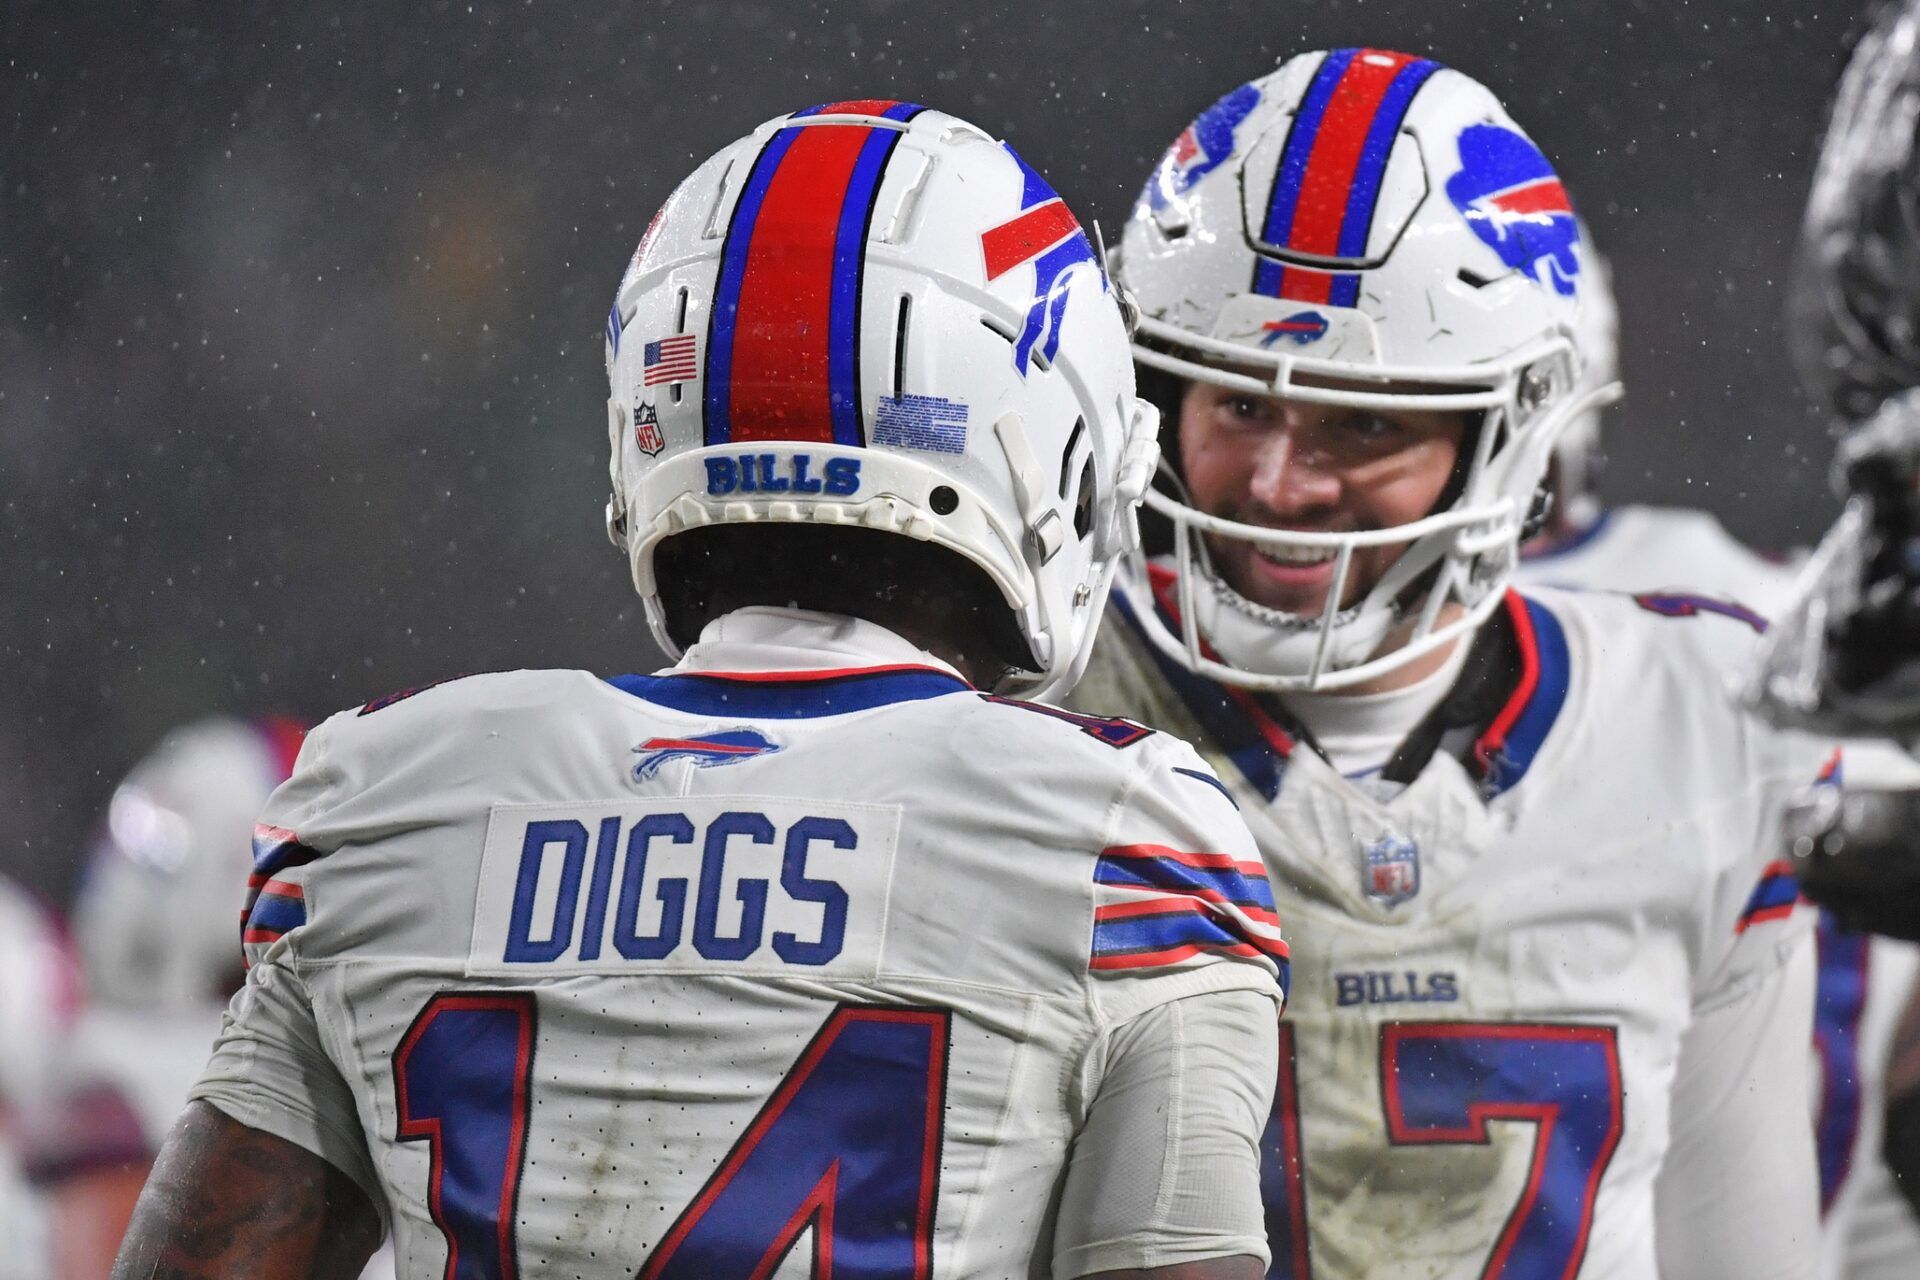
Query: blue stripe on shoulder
1530, 731
277, 914
1134, 934
1225, 723
1208, 779
795, 699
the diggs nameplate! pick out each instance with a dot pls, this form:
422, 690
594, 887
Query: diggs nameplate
715, 884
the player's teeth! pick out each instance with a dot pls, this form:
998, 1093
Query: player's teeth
1300, 555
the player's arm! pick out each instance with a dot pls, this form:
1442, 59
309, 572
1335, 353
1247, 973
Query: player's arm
1901, 1146
1168, 1161
1235, 1268
228, 1201
1163, 1179
1739, 1193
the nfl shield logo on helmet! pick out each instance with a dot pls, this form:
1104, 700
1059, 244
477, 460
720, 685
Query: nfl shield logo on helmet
646, 430
1390, 870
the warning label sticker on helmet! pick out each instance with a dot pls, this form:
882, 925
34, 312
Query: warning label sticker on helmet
932, 424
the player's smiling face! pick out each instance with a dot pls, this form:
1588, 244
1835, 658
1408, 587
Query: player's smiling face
1316, 468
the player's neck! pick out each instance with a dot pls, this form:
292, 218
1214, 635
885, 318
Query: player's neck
1415, 670
969, 655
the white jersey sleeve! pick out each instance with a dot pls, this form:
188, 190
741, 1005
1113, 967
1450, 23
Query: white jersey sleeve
695, 922
1739, 1103
1170, 1139
270, 1072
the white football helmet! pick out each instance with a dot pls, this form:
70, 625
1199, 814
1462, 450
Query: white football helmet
873, 314
158, 913
1368, 229
1578, 451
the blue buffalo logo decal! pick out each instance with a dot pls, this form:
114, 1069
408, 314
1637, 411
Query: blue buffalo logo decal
1202, 146
730, 746
1513, 200
1301, 328
1045, 233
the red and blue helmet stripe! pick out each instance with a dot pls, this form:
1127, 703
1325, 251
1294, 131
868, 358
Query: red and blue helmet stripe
783, 339
1331, 169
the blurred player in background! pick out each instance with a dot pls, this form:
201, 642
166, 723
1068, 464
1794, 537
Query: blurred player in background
158, 907
1868, 1232
819, 953
1846, 655
157, 921
1554, 997
39, 999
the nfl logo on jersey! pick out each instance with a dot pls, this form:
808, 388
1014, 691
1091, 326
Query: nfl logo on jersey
1390, 869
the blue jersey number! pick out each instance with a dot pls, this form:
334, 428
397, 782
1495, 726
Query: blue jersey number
1441, 1082
463, 1077
1839, 1005
849, 1144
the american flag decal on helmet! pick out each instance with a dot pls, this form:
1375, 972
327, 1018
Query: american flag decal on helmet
783, 359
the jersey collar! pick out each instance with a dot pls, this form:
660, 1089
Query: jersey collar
784, 664
1540, 550
1495, 719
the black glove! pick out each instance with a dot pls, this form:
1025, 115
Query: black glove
1857, 853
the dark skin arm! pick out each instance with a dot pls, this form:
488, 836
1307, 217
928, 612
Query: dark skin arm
227, 1202
1238, 1267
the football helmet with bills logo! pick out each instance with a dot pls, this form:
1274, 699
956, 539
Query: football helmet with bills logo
1579, 453
872, 314
157, 910
1367, 229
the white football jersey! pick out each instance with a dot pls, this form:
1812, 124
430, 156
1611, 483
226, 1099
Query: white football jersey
1637, 548
1496, 967
739, 970
1869, 1232
39, 997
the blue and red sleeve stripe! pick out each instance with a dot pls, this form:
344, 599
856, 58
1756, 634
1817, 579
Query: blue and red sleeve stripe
276, 909
1773, 898
1195, 903
1164, 931
1207, 877
274, 906
783, 339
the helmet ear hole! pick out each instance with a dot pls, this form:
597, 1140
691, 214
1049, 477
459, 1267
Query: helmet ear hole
1539, 510
1083, 501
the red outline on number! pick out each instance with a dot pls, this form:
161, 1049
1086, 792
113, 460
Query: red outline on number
1293, 1153
521, 1003
937, 1020
1543, 1114
817, 1208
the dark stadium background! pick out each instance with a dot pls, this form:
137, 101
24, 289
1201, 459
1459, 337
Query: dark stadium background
300, 305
